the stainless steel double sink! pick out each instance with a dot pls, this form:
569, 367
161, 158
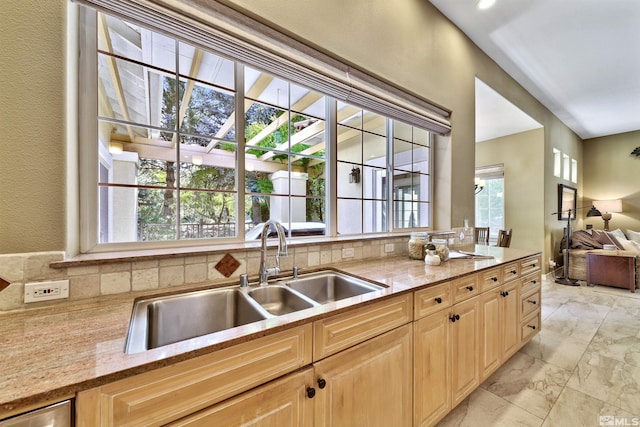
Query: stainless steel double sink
158, 321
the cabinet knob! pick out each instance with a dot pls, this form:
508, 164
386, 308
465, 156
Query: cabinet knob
494, 278
532, 301
532, 326
439, 300
534, 282
454, 317
311, 392
504, 294
513, 272
322, 383
470, 288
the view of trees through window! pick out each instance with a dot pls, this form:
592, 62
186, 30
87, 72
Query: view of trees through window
169, 149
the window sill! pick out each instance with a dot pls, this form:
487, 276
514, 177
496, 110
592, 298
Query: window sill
100, 258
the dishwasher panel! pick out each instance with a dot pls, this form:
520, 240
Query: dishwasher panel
58, 415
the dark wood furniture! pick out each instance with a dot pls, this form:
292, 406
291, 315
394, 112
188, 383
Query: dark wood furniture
612, 270
504, 238
481, 235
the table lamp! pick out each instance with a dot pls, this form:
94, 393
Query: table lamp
607, 207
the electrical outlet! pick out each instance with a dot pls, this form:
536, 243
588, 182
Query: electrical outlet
348, 253
44, 291
388, 247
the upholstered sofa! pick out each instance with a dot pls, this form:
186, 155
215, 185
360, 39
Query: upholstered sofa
585, 241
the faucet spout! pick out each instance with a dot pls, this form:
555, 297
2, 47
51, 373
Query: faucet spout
265, 272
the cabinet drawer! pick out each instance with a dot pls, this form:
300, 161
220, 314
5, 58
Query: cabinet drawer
465, 288
530, 326
347, 329
510, 271
282, 403
530, 265
530, 302
172, 392
490, 279
430, 300
530, 282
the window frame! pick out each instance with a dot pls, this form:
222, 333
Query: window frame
88, 153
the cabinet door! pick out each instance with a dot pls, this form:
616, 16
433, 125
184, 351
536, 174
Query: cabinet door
465, 349
282, 403
369, 384
432, 368
510, 320
490, 332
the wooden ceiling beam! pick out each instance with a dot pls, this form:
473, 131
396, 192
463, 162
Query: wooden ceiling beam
103, 33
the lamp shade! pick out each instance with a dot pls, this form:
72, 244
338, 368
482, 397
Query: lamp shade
594, 212
608, 205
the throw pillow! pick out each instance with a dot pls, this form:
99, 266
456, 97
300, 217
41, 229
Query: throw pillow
618, 234
581, 239
633, 235
606, 238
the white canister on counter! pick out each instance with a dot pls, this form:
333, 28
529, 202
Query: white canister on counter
432, 258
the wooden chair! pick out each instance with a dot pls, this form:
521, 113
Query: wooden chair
481, 235
504, 238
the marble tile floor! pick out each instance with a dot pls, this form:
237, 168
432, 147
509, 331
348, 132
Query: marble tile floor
582, 369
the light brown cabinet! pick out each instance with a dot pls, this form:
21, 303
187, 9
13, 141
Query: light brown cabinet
465, 376
499, 327
432, 368
446, 360
166, 394
282, 403
369, 384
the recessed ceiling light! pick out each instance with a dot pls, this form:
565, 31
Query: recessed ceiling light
485, 4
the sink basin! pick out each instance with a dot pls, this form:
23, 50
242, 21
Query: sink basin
164, 320
279, 300
324, 287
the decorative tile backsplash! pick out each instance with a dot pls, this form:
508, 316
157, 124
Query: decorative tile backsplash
121, 276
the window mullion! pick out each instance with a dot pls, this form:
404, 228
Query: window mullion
331, 167
240, 151
389, 166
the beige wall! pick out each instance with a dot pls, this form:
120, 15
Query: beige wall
408, 43
523, 157
610, 172
32, 115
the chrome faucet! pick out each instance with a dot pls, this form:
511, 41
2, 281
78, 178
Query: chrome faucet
265, 272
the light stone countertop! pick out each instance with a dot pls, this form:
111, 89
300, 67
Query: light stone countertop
52, 353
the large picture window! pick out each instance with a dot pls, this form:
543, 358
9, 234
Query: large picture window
187, 144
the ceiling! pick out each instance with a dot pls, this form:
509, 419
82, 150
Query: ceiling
580, 58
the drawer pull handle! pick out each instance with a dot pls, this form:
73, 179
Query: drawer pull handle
494, 278
534, 281
454, 317
311, 392
513, 272
532, 327
532, 301
470, 288
322, 383
439, 300
504, 293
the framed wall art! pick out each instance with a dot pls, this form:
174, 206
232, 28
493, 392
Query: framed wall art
567, 201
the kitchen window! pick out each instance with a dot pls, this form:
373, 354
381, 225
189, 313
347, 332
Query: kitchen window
187, 146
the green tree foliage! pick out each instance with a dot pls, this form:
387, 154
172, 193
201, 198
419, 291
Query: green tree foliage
208, 111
